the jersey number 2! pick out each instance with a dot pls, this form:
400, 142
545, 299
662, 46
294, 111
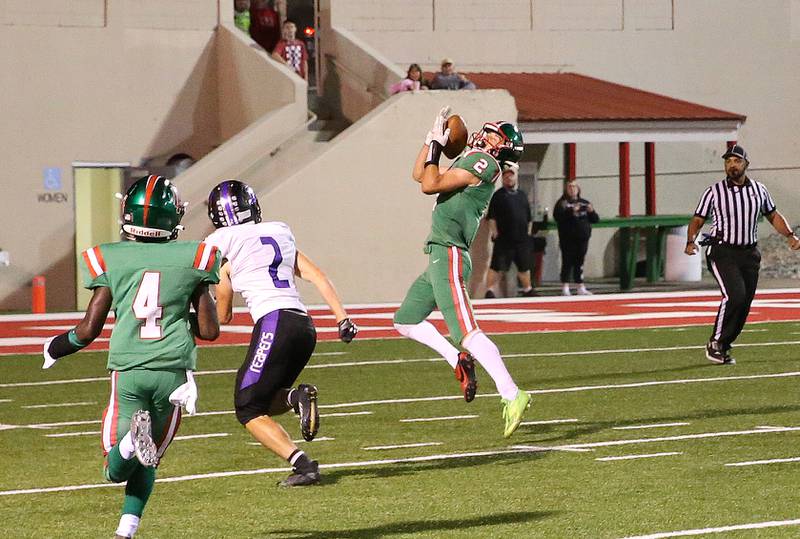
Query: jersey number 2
146, 307
480, 165
276, 261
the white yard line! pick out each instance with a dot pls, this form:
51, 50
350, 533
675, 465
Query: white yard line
198, 436
548, 422
399, 446
444, 418
66, 434
721, 529
632, 457
6, 400
212, 475
315, 440
60, 405
770, 461
425, 360
653, 426
345, 414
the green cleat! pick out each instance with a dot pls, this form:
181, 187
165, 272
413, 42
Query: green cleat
513, 411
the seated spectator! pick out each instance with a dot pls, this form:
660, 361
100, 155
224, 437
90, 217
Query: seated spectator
449, 79
265, 27
413, 81
292, 51
241, 15
574, 216
509, 219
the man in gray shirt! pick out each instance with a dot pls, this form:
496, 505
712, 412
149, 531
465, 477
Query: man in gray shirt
448, 79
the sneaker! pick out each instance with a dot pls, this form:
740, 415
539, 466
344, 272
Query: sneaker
565, 292
302, 478
714, 353
582, 291
465, 373
308, 410
513, 411
532, 293
142, 436
489, 295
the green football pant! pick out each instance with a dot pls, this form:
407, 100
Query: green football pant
442, 286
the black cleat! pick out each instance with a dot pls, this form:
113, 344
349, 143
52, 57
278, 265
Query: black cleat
302, 478
715, 354
489, 295
308, 410
465, 374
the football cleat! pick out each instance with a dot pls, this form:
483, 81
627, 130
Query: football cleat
513, 410
142, 436
308, 410
714, 353
302, 478
465, 374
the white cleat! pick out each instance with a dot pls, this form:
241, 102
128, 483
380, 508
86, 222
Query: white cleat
142, 436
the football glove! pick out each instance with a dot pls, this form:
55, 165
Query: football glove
49, 360
186, 395
438, 133
347, 330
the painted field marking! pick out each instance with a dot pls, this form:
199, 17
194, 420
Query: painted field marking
399, 446
198, 436
721, 529
319, 439
653, 426
66, 434
214, 475
60, 405
649, 456
345, 414
548, 422
6, 400
445, 418
757, 462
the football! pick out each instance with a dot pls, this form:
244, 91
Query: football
458, 136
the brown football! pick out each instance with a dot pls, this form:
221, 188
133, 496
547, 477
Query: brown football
458, 136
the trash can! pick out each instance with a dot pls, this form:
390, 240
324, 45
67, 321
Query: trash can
678, 266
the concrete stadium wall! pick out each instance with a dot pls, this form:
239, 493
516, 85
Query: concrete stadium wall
114, 81
741, 56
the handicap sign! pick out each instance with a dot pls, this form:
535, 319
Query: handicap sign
52, 179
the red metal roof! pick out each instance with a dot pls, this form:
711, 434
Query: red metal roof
570, 97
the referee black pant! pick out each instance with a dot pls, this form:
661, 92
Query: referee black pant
736, 270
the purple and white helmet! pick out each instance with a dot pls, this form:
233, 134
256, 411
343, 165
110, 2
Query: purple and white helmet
232, 203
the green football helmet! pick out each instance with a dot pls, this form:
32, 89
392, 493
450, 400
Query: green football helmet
152, 210
510, 147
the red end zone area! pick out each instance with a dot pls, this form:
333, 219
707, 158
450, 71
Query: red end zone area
25, 333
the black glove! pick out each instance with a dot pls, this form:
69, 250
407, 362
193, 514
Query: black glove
347, 330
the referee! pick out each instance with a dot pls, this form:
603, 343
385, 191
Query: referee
732, 255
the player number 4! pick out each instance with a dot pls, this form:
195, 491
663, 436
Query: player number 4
146, 307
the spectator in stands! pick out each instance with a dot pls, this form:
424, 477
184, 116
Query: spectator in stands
509, 219
449, 79
241, 15
265, 25
292, 51
574, 216
413, 81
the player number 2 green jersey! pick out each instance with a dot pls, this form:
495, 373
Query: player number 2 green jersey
458, 213
151, 285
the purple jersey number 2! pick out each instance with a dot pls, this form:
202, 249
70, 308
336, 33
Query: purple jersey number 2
273, 268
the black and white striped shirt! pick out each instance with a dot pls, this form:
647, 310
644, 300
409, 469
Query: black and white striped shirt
735, 210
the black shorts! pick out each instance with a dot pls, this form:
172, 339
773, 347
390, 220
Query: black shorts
503, 254
281, 345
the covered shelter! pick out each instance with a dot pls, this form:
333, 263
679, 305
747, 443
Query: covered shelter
570, 108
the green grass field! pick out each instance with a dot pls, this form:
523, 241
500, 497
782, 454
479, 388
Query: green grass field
467, 481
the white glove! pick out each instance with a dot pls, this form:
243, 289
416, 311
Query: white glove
49, 360
438, 132
186, 395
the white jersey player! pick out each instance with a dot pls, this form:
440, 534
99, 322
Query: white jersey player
261, 262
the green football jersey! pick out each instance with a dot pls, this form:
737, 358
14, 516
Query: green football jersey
151, 285
458, 213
